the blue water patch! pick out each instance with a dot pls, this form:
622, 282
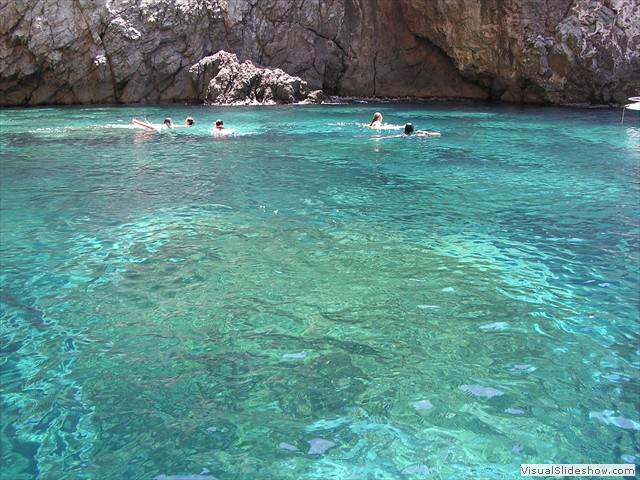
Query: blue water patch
311, 298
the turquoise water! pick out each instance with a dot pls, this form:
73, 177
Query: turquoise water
181, 306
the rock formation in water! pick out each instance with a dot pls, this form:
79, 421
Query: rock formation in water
127, 51
225, 81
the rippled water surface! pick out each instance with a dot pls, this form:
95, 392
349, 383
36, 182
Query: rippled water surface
312, 299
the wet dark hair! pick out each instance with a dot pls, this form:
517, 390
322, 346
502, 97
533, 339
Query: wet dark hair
219, 123
408, 129
190, 121
167, 120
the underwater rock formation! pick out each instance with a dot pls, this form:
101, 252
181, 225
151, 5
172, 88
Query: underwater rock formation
125, 51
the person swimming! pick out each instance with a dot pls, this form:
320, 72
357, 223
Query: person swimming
168, 123
377, 120
409, 131
189, 122
220, 131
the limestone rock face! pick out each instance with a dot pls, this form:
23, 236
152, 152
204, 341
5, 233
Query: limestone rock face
530, 51
129, 51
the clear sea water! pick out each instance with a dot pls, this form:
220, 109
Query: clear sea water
312, 299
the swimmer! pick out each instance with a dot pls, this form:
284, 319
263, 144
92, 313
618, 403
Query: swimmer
427, 133
220, 131
168, 123
409, 131
377, 120
189, 122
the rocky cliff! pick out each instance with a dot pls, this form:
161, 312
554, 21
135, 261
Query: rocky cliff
129, 51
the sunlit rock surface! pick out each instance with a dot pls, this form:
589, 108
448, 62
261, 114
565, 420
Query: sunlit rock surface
225, 81
130, 51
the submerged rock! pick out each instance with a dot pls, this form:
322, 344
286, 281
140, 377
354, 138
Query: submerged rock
515, 411
319, 446
422, 405
185, 477
288, 446
608, 417
295, 356
497, 326
418, 469
480, 391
